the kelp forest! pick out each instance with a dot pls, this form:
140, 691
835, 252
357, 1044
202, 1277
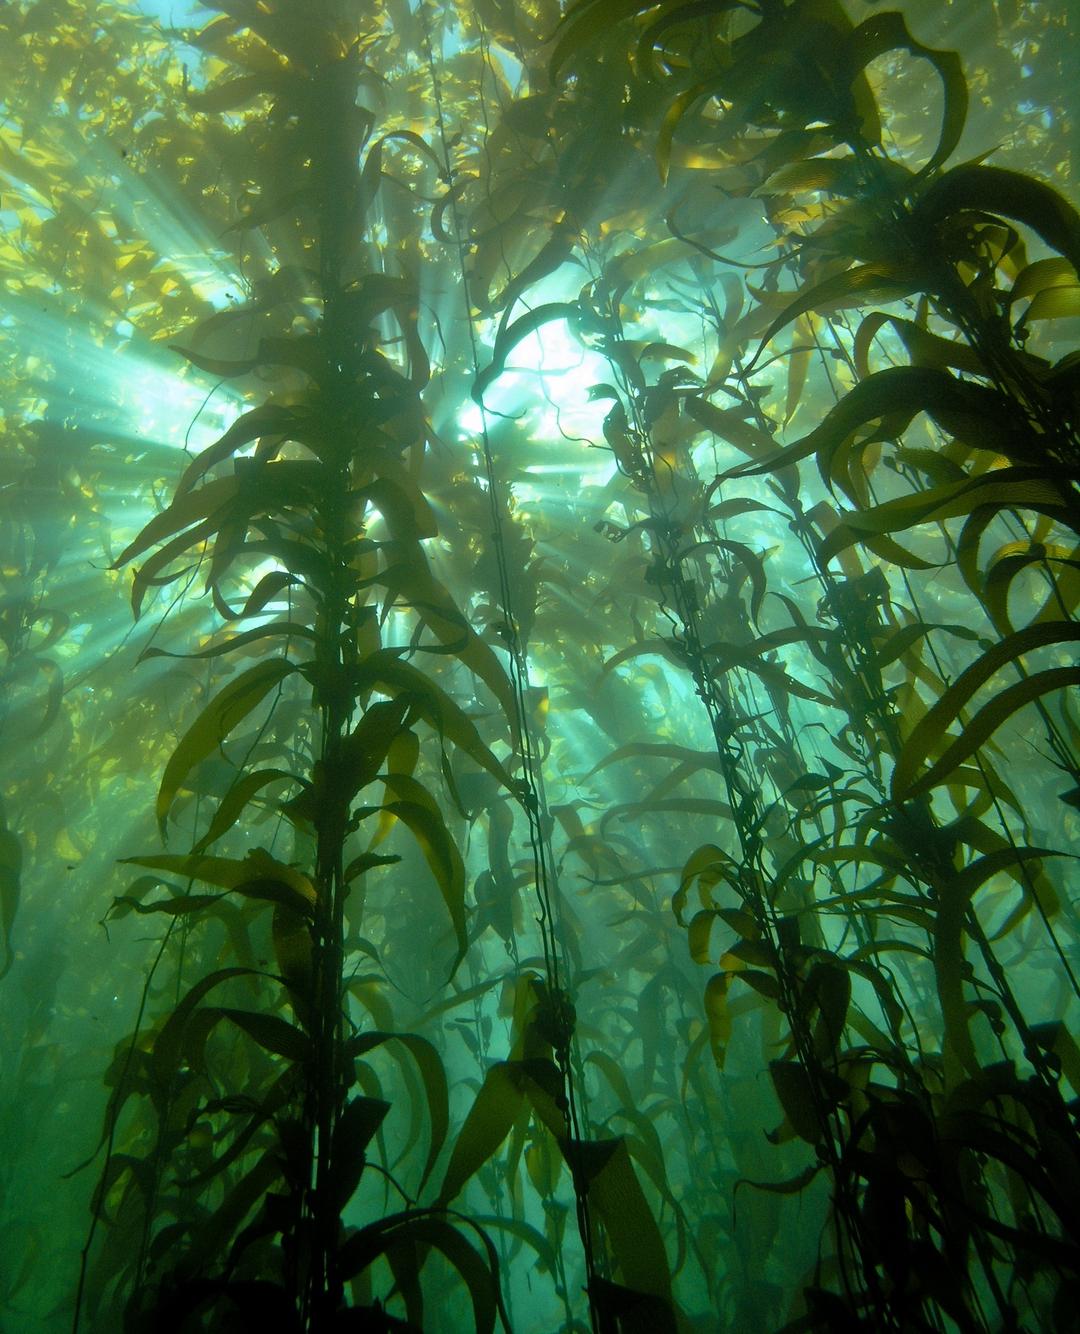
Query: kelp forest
539, 584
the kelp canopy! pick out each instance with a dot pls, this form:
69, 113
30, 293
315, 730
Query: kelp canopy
539, 567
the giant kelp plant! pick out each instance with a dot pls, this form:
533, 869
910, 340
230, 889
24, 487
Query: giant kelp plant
578, 834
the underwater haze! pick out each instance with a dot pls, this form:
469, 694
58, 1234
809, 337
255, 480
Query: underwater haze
539, 740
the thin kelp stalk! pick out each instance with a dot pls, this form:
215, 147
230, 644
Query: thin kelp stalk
653, 472
556, 1017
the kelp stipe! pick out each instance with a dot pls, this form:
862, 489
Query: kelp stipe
234, 1216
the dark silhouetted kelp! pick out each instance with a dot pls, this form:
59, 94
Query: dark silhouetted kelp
583, 822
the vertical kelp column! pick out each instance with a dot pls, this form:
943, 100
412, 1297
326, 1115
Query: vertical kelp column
77, 387
236, 1136
916, 1033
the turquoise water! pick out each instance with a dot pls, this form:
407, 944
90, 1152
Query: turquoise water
538, 573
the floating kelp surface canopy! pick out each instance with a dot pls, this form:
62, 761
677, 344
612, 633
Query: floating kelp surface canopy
539, 567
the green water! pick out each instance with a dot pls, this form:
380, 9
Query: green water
538, 584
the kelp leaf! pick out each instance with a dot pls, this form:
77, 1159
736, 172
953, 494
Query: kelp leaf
432, 1074
708, 865
229, 707
730, 425
716, 1013
585, 21
259, 876
366, 747
853, 287
931, 729
615, 1193
235, 802
1004, 193
182, 513
270, 1032
792, 1186
1003, 488
354, 1131
793, 1089
491, 1117
426, 823
509, 338
989, 718
436, 707
882, 33
288, 630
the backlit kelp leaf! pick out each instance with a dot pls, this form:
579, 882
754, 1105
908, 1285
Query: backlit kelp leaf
754, 565
419, 812
229, 707
643, 648
168, 1044
898, 642
585, 21
303, 352
365, 862
180, 906
1054, 1037
1029, 877
412, 580
954, 899
701, 759
740, 655
982, 726
615, 1193
498, 1104
259, 875
525, 1232
510, 336
805, 1109
854, 287
1009, 561
691, 805
363, 751
1056, 303
708, 865
929, 732
234, 92
1040, 276
826, 991
235, 802
269, 419
432, 1074
210, 500
718, 1016
278, 629
698, 933
883, 33
1003, 193
268, 588
633, 265
401, 1238
984, 418
792, 1186
385, 668
1001, 488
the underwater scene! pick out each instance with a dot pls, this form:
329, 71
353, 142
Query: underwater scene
539, 645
